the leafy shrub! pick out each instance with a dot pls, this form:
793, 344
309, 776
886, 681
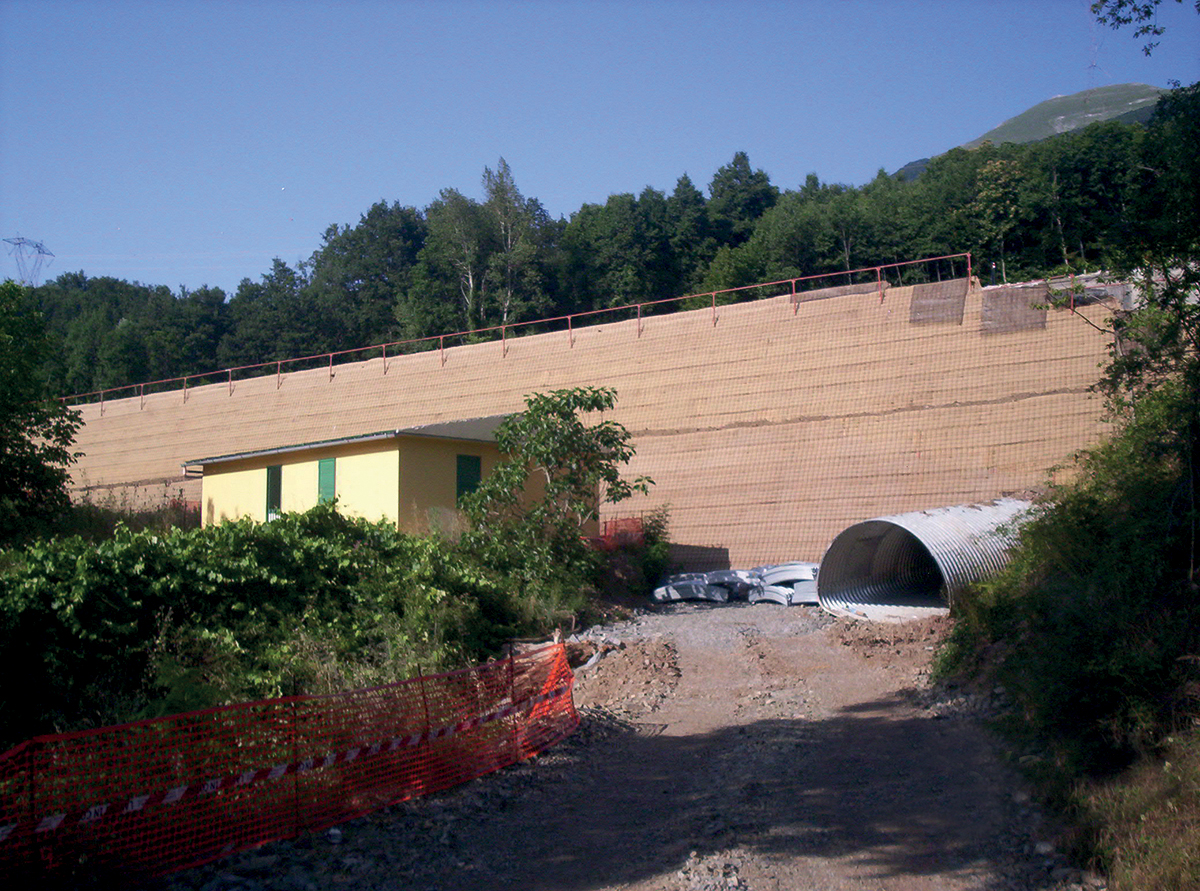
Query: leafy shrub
1092, 625
574, 463
98, 521
147, 623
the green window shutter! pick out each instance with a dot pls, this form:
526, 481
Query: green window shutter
470, 472
274, 490
325, 480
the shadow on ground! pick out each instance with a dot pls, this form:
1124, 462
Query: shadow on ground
909, 796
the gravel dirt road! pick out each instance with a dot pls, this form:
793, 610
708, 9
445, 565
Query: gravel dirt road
722, 747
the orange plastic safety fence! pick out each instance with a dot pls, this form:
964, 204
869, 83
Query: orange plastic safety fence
150, 797
620, 532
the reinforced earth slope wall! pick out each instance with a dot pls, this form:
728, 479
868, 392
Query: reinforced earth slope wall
768, 426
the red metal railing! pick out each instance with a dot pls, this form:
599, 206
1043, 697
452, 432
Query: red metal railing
421, 344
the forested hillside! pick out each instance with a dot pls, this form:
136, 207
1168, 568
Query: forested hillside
462, 263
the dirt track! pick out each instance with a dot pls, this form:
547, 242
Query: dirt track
722, 747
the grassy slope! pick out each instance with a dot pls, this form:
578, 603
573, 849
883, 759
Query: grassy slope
1131, 103
1065, 113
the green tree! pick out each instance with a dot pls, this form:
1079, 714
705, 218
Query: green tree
36, 432
513, 269
573, 461
689, 234
793, 237
360, 276
204, 320
994, 208
1142, 13
275, 318
1158, 344
452, 266
617, 253
738, 196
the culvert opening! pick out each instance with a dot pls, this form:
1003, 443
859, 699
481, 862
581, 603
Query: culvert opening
911, 566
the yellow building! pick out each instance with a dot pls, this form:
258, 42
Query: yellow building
413, 477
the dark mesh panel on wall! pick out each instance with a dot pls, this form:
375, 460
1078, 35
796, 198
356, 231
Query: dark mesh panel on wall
1014, 309
938, 303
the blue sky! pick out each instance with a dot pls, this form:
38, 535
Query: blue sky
186, 143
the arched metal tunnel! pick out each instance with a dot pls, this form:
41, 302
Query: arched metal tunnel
913, 565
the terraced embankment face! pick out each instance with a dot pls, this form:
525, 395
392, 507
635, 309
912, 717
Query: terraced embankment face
768, 426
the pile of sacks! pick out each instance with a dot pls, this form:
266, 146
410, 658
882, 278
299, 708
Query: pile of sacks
788, 584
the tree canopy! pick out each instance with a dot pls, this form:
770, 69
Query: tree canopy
1071, 203
36, 432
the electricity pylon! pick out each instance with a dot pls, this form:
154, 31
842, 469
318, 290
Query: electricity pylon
30, 256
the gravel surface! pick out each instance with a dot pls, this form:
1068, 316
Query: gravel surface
721, 747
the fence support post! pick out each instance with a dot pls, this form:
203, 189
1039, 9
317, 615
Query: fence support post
424, 702
512, 698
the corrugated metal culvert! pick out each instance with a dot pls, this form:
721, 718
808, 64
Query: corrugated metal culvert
909, 566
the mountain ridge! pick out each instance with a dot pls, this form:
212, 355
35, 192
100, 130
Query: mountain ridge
1130, 103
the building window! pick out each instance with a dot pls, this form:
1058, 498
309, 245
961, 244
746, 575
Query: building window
274, 490
470, 472
325, 480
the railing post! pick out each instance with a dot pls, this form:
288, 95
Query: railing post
442, 348
185, 388
639, 320
879, 281
141, 396
714, 308
503, 340
278, 375
230, 381
101, 403
385, 358
570, 332
331, 366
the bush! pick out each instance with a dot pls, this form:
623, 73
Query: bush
540, 545
147, 623
1090, 625
96, 522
